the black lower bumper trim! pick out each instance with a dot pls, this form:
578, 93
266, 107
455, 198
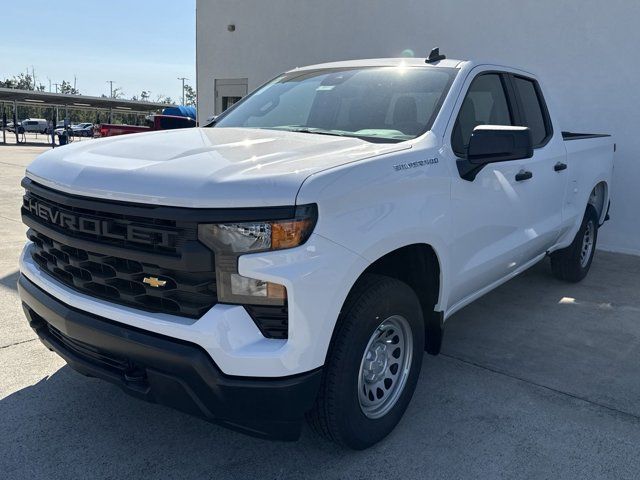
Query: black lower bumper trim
168, 371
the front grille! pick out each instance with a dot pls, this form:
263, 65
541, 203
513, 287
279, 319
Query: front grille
121, 280
106, 249
134, 232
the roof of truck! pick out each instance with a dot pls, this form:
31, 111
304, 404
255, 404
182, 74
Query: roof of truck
386, 62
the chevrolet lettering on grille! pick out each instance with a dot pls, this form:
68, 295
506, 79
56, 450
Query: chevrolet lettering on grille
108, 228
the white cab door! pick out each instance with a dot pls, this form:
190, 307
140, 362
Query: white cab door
490, 232
489, 212
511, 212
543, 194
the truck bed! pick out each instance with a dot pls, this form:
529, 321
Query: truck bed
588, 158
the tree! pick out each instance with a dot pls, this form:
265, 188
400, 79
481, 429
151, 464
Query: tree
117, 93
190, 95
144, 96
22, 81
161, 98
67, 89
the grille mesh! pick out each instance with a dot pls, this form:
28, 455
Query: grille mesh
122, 281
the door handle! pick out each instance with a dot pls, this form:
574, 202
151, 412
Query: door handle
558, 167
523, 175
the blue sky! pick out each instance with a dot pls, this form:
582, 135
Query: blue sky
140, 44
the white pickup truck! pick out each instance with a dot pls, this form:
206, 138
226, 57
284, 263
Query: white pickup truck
298, 256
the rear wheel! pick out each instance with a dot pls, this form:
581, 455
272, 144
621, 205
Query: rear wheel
573, 263
373, 364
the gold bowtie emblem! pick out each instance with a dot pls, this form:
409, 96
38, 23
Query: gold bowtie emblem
154, 282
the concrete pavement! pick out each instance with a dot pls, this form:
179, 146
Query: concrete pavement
539, 379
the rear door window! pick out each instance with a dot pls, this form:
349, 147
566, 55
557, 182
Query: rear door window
532, 111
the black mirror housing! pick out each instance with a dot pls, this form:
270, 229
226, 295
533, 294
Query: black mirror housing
498, 143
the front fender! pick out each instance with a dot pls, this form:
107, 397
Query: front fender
373, 207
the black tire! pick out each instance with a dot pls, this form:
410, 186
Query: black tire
569, 264
371, 307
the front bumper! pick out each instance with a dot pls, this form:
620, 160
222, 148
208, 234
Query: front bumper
316, 291
168, 371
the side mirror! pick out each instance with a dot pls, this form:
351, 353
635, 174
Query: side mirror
497, 143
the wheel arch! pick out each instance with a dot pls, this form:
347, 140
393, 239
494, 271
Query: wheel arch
419, 266
599, 197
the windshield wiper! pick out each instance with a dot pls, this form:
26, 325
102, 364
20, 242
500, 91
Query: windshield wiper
318, 131
335, 133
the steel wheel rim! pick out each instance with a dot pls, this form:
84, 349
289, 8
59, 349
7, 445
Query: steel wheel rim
385, 366
587, 244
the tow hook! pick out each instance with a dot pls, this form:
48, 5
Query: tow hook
136, 378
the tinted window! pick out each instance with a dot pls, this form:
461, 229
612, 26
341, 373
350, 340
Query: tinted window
387, 103
532, 113
170, 123
485, 104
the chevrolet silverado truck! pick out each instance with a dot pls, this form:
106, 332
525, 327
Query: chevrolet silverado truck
298, 256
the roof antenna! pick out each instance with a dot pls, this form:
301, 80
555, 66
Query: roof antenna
434, 56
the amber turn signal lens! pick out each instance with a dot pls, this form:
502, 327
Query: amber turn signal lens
291, 233
276, 291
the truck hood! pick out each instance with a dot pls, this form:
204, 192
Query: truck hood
199, 167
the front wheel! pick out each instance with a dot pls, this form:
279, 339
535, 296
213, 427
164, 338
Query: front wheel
572, 264
373, 364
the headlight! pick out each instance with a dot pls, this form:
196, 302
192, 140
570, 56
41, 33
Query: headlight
259, 236
230, 240
238, 237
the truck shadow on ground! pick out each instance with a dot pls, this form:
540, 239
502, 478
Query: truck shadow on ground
10, 281
71, 426
464, 420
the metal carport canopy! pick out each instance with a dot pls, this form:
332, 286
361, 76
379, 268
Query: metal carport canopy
45, 99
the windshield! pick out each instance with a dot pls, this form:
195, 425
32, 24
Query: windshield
375, 103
